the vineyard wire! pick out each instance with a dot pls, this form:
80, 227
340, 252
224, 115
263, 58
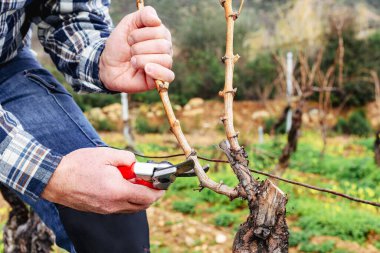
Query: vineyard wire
339, 194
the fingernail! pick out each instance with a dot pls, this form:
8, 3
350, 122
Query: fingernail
134, 62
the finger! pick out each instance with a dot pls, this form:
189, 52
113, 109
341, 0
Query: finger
138, 194
159, 72
117, 157
140, 61
147, 17
133, 208
151, 84
159, 46
149, 33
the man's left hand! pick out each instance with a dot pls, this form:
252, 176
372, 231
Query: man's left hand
138, 51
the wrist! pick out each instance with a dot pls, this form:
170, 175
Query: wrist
51, 191
89, 65
102, 70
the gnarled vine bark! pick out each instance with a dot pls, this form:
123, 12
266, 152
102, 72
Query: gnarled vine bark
24, 231
265, 229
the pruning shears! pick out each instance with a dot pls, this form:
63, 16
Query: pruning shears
158, 175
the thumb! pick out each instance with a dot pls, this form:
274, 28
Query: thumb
146, 17
119, 157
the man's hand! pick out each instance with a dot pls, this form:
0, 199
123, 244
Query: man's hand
138, 51
88, 180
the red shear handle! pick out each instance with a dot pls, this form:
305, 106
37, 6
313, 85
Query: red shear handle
128, 173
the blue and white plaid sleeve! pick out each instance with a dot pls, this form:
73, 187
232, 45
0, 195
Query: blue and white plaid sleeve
25, 165
74, 34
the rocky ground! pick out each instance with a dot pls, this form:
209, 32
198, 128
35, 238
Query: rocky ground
204, 116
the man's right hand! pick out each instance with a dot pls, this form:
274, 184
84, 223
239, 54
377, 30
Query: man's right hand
88, 180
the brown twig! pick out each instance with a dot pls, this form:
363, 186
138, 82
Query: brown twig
139, 4
229, 59
175, 127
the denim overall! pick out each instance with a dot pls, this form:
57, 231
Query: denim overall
48, 112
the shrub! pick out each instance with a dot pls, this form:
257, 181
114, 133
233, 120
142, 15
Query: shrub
297, 238
358, 124
105, 125
325, 247
269, 123
377, 245
225, 219
184, 207
341, 126
182, 184
143, 126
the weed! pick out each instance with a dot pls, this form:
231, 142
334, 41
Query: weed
184, 207
325, 247
297, 238
225, 219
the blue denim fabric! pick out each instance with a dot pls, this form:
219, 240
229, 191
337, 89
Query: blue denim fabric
47, 111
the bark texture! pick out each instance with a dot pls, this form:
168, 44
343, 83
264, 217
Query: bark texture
291, 146
24, 231
377, 148
280, 120
265, 229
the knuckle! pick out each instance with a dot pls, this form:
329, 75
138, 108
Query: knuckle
150, 199
109, 209
104, 205
149, 9
130, 155
132, 37
167, 61
170, 62
168, 46
165, 46
166, 32
172, 76
133, 49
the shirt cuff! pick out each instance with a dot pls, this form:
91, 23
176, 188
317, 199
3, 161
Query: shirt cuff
89, 68
26, 166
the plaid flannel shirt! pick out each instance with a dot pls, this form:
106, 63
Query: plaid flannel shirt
74, 34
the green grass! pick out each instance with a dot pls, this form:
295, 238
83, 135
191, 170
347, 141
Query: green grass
346, 167
316, 214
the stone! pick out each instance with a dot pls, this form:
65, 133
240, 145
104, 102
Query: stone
193, 112
96, 114
191, 230
113, 108
314, 115
196, 102
220, 238
150, 115
189, 241
177, 108
260, 115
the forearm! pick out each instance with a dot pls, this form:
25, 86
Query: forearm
25, 165
75, 37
